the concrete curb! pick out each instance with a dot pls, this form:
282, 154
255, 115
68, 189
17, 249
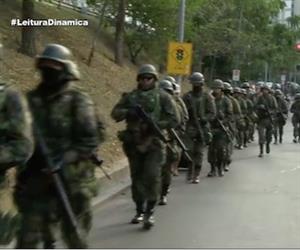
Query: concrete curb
120, 180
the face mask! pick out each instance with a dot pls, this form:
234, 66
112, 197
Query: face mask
51, 76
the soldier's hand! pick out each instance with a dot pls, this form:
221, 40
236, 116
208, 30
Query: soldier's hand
70, 157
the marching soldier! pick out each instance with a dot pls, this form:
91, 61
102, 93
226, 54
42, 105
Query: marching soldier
241, 125
16, 147
148, 112
295, 110
282, 114
202, 110
65, 133
234, 122
266, 107
218, 148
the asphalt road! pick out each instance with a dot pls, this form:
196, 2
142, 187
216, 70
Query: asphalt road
255, 205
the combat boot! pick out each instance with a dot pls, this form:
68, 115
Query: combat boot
163, 200
226, 167
261, 150
280, 139
189, 175
295, 140
148, 218
220, 170
268, 148
196, 177
212, 172
139, 217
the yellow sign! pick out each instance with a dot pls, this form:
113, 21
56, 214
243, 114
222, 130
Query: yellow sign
179, 58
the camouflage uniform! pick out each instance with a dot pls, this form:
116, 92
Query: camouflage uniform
173, 150
202, 110
146, 152
295, 110
218, 148
266, 108
64, 116
236, 118
16, 147
281, 115
241, 124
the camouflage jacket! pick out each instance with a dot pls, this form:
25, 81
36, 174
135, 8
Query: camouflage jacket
184, 115
67, 122
159, 105
295, 108
237, 113
224, 109
16, 140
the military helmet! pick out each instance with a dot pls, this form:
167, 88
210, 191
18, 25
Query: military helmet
265, 86
147, 69
218, 84
177, 89
227, 86
278, 92
259, 84
236, 90
243, 91
56, 52
166, 85
245, 85
61, 54
277, 86
170, 78
196, 78
297, 96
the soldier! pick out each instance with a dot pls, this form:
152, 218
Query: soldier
241, 125
184, 117
218, 148
142, 139
16, 147
172, 150
65, 120
234, 122
281, 115
202, 110
266, 107
295, 110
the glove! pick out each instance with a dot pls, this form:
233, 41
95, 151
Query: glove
133, 112
221, 116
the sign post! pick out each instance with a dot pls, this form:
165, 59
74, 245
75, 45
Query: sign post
179, 58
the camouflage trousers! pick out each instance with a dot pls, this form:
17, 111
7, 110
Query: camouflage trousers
145, 170
173, 155
41, 216
296, 125
218, 149
195, 149
265, 131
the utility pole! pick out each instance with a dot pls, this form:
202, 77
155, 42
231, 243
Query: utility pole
181, 30
266, 71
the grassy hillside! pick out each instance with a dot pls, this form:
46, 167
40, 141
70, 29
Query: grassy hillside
103, 80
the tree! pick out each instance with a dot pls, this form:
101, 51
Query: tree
28, 32
119, 35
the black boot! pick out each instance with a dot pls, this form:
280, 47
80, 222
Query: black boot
212, 172
148, 218
280, 139
196, 177
163, 200
189, 175
261, 150
268, 148
139, 217
220, 170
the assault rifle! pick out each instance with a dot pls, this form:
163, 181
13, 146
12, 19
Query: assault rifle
54, 170
225, 129
145, 117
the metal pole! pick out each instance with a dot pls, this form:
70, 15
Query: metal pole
181, 30
266, 71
